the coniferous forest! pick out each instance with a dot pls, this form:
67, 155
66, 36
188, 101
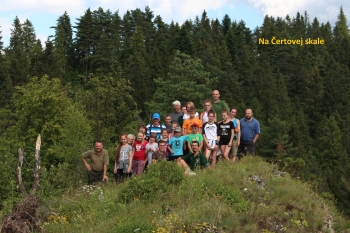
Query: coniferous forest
107, 73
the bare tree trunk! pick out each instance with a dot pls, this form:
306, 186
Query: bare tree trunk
19, 172
23, 218
37, 164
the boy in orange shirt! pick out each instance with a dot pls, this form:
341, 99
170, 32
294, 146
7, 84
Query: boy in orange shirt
186, 128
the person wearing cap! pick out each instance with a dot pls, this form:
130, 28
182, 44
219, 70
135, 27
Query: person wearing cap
176, 144
177, 111
155, 127
194, 136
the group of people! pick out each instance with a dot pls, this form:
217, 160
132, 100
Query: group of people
191, 139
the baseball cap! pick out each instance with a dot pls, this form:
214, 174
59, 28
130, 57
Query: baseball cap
155, 116
194, 125
177, 129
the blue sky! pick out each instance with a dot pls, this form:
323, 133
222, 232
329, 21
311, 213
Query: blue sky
44, 13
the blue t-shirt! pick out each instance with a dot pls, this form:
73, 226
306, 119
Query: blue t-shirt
249, 129
177, 144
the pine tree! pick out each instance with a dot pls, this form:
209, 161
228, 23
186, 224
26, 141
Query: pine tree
227, 78
174, 32
109, 106
137, 71
226, 24
341, 41
21, 51
184, 40
186, 81
275, 142
334, 161
85, 42
49, 60
36, 61
162, 53
102, 62
128, 28
5, 81
63, 48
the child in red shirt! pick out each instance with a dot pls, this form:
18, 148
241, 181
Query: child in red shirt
139, 159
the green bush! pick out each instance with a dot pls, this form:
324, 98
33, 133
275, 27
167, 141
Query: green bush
158, 179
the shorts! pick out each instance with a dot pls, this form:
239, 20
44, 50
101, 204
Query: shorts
212, 144
138, 166
172, 158
234, 147
224, 141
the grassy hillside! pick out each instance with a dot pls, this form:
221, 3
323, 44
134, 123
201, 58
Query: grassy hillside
250, 196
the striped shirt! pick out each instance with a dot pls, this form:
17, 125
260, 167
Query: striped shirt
150, 128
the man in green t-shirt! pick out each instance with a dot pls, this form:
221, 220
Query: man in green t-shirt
218, 105
194, 160
97, 169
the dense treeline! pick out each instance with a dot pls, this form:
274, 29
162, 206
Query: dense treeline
107, 73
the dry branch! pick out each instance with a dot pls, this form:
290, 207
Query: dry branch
23, 218
37, 164
19, 172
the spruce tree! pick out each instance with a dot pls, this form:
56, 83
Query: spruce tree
137, 71
174, 32
5, 80
21, 51
334, 161
162, 53
63, 48
184, 40
186, 81
85, 42
109, 105
341, 39
49, 60
226, 24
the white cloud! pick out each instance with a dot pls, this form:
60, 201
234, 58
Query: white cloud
324, 10
42, 37
178, 11
5, 26
51, 6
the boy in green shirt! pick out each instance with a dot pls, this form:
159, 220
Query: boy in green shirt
194, 136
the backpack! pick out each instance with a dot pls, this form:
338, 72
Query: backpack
235, 125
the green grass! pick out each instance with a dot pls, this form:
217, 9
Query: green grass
164, 200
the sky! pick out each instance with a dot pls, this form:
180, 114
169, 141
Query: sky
44, 13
